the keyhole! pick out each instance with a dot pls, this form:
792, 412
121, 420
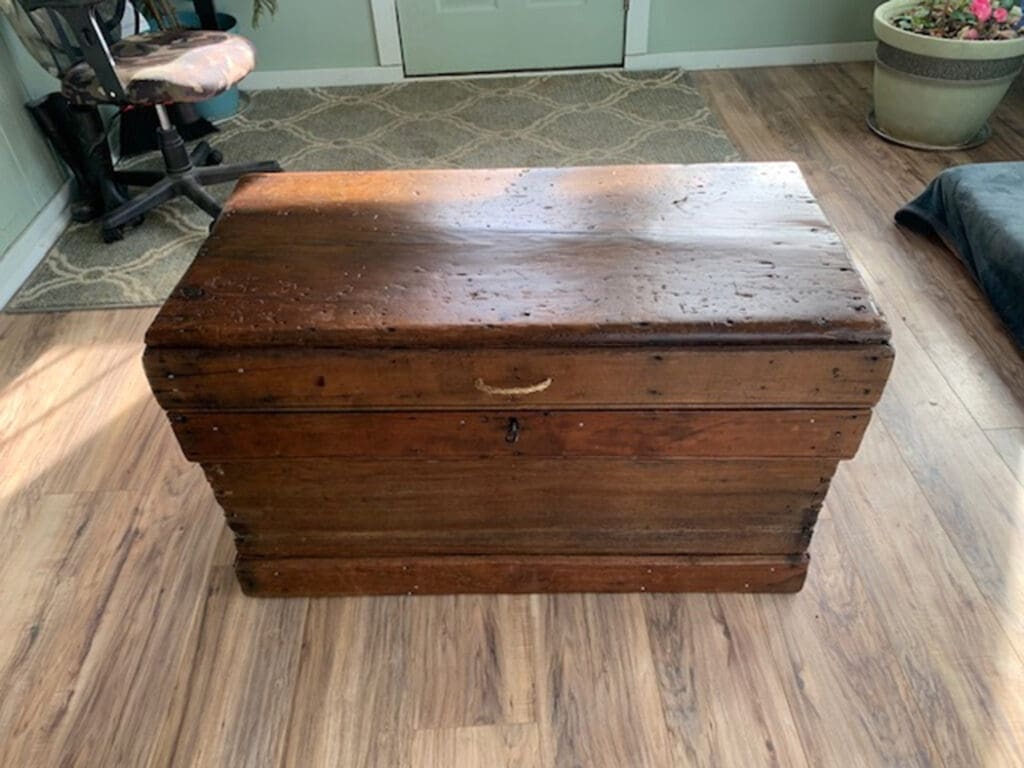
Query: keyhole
512, 433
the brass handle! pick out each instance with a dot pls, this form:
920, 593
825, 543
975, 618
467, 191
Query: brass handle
533, 389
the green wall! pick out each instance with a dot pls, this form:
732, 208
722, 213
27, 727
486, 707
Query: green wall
707, 25
36, 80
308, 34
29, 172
328, 34
315, 34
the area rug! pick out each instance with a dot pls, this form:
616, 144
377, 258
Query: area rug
555, 120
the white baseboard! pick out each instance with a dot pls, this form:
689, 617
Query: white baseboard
321, 78
25, 253
742, 57
787, 55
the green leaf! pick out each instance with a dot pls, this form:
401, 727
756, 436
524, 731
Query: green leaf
259, 7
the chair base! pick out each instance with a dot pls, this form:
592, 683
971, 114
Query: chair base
187, 175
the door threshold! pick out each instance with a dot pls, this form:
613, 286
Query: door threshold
518, 73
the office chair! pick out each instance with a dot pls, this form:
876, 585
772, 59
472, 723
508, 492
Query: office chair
78, 41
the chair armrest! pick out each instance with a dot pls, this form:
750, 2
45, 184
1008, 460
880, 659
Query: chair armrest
80, 16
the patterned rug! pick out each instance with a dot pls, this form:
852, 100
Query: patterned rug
556, 120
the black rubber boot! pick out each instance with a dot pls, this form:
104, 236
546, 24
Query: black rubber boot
99, 165
78, 136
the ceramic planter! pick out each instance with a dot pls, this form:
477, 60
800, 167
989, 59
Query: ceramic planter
936, 93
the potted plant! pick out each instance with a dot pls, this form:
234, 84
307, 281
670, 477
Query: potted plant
942, 68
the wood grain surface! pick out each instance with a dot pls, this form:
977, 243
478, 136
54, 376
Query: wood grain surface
673, 255
389, 494
535, 574
208, 436
125, 639
363, 302
788, 533
840, 376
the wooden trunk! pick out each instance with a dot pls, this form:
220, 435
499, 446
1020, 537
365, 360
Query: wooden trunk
629, 378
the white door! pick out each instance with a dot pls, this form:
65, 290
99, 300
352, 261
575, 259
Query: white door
464, 36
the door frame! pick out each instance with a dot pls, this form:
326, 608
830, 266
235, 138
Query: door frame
389, 43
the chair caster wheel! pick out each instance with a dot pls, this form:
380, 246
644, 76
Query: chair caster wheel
216, 157
113, 234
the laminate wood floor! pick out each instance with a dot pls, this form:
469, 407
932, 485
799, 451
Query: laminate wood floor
125, 641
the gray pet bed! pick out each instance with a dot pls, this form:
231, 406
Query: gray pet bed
978, 211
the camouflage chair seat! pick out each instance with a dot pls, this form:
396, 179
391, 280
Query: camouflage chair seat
82, 43
176, 65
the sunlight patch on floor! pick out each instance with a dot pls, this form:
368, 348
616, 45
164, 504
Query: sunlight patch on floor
51, 411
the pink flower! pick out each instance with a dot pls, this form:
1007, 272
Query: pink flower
969, 33
982, 9
1000, 15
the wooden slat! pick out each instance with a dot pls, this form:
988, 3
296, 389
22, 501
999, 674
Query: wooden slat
209, 436
790, 535
570, 257
1009, 443
828, 648
455, 635
614, 673
939, 591
229, 707
383, 495
389, 521
841, 376
711, 665
494, 746
532, 574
